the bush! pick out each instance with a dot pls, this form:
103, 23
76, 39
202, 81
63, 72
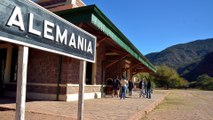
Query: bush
140, 76
168, 78
165, 77
203, 82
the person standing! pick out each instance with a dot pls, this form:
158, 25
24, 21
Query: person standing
149, 85
115, 87
124, 83
130, 86
142, 86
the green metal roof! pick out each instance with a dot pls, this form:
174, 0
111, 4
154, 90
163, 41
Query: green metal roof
92, 14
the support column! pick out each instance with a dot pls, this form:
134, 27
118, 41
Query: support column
94, 67
21, 82
82, 77
8, 64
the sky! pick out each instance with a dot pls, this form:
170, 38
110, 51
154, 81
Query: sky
153, 25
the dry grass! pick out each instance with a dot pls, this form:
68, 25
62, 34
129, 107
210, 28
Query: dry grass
184, 105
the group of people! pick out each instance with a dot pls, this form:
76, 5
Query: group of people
119, 87
145, 88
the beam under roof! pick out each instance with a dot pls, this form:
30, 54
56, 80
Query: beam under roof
93, 15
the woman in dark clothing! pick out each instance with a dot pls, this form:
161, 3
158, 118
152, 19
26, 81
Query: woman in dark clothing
149, 85
115, 87
130, 86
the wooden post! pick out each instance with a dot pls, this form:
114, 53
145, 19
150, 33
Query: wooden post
21, 82
82, 73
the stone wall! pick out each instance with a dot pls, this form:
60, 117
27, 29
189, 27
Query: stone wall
73, 89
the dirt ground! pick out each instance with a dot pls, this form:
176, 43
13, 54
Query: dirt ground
184, 105
178, 105
107, 108
10, 115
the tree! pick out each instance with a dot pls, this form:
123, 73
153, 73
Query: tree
147, 76
139, 76
168, 77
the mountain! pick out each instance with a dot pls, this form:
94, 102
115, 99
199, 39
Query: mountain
183, 57
204, 67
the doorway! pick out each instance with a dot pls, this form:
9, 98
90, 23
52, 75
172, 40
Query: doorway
3, 56
8, 66
89, 73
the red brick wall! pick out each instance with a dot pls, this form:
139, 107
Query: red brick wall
100, 56
42, 67
70, 70
45, 89
38, 89
114, 70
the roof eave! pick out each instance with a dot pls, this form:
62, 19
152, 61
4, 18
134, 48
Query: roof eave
92, 14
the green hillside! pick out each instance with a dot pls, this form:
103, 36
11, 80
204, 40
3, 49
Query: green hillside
204, 67
183, 57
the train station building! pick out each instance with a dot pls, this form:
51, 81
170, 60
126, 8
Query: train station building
55, 76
